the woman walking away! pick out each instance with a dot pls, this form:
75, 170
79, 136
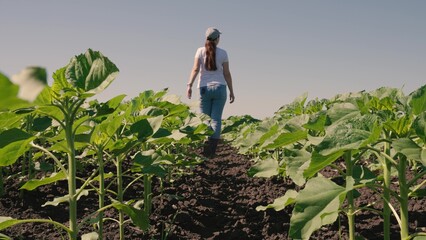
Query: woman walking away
213, 65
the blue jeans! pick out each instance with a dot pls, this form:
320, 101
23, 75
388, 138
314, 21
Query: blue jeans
213, 99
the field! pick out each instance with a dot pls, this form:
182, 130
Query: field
71, 167
216, 201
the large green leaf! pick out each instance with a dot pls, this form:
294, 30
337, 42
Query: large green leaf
400, 126
382, 100
9, 120
45, 97
419, 126
115, 101
171, 98
175, 109
151, 111
58, 200
287, 138
105, 176
264, 168
160, 135
349, 97
39, 124
281, 202
6, 222
269, 136
61, 87
410, 149
316, 205
151, 162
417, 100
51, 111
13, 144
296, 123
177, 135
297, 107
254, 135
316, 122
350, 134
139, 217
341, 110
363, 175
193, 127
146, 127
142, 129
91, 72
105, 130
110, 106
319, 162
35, 183
233, 123
296, 165
387, 92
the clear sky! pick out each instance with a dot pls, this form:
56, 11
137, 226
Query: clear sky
278, 50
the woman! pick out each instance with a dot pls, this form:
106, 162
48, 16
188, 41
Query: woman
213, 65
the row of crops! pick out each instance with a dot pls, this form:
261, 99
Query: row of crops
54, 134
370, 139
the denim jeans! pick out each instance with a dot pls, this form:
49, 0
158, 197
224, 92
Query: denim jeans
213, 99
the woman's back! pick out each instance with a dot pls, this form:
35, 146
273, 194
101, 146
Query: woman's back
211, 77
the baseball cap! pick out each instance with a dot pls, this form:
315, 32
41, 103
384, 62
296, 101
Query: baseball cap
212, 33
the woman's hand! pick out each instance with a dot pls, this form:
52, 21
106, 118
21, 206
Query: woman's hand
228, 79
194, 73
231, 97
189, 92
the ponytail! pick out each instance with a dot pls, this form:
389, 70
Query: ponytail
210, 63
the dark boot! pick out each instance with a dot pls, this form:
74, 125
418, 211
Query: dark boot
210, 147
213, 146
207, 149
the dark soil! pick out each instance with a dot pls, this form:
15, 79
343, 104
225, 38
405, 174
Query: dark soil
216, 201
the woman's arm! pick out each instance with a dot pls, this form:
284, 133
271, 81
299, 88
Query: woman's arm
194, 73
228, 79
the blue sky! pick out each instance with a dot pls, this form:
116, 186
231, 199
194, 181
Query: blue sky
278, 49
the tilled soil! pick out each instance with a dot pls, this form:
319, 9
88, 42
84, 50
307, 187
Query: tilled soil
217, 200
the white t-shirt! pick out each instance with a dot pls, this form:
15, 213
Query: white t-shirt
211, 77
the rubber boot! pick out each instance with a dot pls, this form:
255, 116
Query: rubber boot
210, 147
213, 146
207, 149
